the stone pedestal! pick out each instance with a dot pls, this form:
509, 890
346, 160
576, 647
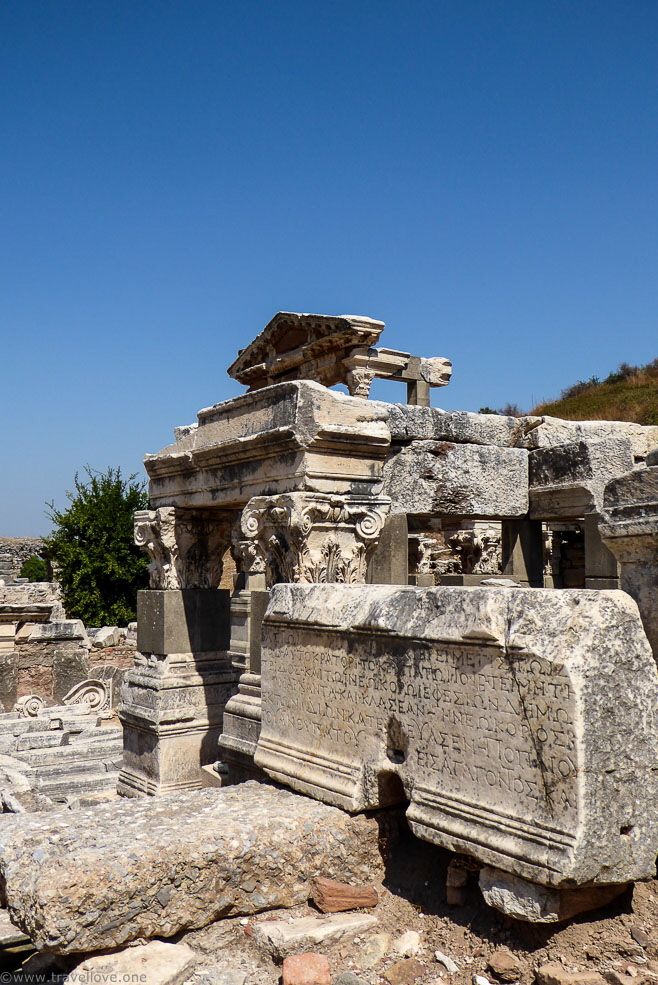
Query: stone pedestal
523, 552
173, 700
630, 530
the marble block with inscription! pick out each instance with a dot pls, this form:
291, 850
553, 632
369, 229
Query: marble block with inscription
518, 723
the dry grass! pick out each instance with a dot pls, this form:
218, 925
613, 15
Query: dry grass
632, 399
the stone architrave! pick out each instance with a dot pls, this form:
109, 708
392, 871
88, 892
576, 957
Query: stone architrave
629, 529
567, 481
518, 723
309, 537
283, 438
173, 700
436, 478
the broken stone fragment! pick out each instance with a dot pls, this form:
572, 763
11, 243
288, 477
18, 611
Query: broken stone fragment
554, 973
405, 972
408, 945
530, 902
505, 966
282, 937
332, 897
158, 962
306, 969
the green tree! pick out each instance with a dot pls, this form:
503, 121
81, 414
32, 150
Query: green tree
98, 564
35, 569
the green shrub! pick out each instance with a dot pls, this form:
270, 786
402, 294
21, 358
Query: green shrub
35, 569
98, 564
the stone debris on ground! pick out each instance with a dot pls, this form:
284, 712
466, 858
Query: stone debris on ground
282, 937
600, 948
306, 969
155, 963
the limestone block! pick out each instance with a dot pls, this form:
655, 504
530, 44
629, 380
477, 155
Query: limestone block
108, 636
70, 667
568, 480
67, 629
408, 422
518, 722
283, 438
8, 680
554, 431
632, 497
107, 875
441, 477
155, 963
630, 530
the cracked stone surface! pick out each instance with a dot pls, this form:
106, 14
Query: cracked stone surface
107, 875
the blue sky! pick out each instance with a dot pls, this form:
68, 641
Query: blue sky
479, 175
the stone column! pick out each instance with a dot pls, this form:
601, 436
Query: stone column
629, 528
389, 564
523, 552
294, 537
173, 700
600, 563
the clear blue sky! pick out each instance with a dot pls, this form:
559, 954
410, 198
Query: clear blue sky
482, 176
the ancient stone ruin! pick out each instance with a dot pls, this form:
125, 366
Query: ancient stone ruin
379, 605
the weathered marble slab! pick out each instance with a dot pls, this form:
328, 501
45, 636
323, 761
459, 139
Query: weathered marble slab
519, 723
554, 431
466, 480
286, 437
630, 531
107, 875
569, 480
408, 422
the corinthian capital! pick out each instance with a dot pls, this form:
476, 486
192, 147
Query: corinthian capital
186, 547
312, 537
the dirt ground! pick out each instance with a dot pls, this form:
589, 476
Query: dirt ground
414, 898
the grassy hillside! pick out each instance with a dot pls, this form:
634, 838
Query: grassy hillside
630, 394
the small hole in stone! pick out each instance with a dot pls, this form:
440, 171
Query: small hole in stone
625, 829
